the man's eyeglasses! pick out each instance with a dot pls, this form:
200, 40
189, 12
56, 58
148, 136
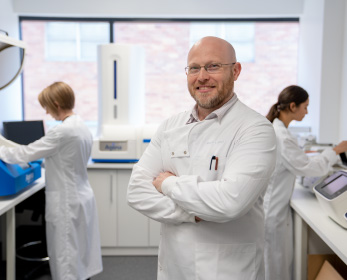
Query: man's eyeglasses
211, 68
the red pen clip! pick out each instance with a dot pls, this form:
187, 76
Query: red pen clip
216, 163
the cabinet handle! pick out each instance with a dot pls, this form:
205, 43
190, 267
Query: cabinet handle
111, 189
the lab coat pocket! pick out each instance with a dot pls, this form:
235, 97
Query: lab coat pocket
225, 261
209, 168
52, 206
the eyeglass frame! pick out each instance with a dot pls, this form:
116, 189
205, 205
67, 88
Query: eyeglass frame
205, 67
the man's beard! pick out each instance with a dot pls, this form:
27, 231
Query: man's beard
214, 101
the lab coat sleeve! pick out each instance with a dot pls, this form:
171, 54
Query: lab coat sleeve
42, 148
144, 197
248, 169
299, 163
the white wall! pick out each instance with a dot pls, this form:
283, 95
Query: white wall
331, 82
310, 61
10, 97
160, 8
343, 103
321, 51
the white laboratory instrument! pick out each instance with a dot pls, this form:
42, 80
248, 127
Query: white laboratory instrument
122, 135
332, 196
311, 182
122, 143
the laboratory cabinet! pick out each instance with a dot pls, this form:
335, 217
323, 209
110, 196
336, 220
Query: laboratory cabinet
123, 231
314, 231
7, 208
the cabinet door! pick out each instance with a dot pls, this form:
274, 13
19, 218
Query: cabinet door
132, 226
103, 183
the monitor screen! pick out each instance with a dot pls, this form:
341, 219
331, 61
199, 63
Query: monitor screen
23, 132
343, 158
336, 185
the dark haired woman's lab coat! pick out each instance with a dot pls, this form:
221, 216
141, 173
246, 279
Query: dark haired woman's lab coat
291, 161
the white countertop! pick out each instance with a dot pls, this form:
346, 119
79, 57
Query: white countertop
306, 205
7, 202
99, 165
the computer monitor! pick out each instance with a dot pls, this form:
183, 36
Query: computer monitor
23, 132
343, 158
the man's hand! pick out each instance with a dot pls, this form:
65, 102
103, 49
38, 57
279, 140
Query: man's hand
160, 178
197, 219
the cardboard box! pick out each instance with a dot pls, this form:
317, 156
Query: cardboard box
327, 272
315, 264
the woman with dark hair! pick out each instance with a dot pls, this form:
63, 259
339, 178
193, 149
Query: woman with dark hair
294, 95
72, 230
291, 161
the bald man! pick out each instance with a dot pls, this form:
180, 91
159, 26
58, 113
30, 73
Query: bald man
204, 174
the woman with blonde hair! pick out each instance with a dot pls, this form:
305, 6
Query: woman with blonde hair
72, 230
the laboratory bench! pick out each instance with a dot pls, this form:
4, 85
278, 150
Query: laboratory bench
310, 217
123, 230
7, 206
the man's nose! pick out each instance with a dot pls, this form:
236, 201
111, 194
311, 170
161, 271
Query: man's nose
203, 74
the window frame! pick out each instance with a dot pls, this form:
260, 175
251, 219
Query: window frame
112, 21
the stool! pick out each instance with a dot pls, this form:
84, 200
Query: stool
31, 239
34, 253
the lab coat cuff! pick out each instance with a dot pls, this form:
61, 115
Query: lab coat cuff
185, 217
168, 184
330, 154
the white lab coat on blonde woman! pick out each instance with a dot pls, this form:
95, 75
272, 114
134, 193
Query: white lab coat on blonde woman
291, 161
72, 230
228, 195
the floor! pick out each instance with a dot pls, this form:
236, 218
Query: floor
115, 268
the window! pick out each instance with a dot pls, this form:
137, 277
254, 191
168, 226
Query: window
240, 35
74, 41
269, 61
62, 51
66, 50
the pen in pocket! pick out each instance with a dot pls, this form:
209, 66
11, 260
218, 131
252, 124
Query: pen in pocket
214, 158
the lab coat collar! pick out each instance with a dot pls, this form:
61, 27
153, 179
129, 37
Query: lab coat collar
278, 122
219, 113
67, 117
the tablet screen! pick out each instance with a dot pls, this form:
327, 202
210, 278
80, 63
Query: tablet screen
334, 186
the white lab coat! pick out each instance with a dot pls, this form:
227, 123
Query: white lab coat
72, 230
228, 244
291, 161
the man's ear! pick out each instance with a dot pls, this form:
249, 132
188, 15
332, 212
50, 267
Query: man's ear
236, 70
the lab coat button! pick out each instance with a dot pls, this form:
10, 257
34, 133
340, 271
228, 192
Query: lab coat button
172, 153
185, 152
